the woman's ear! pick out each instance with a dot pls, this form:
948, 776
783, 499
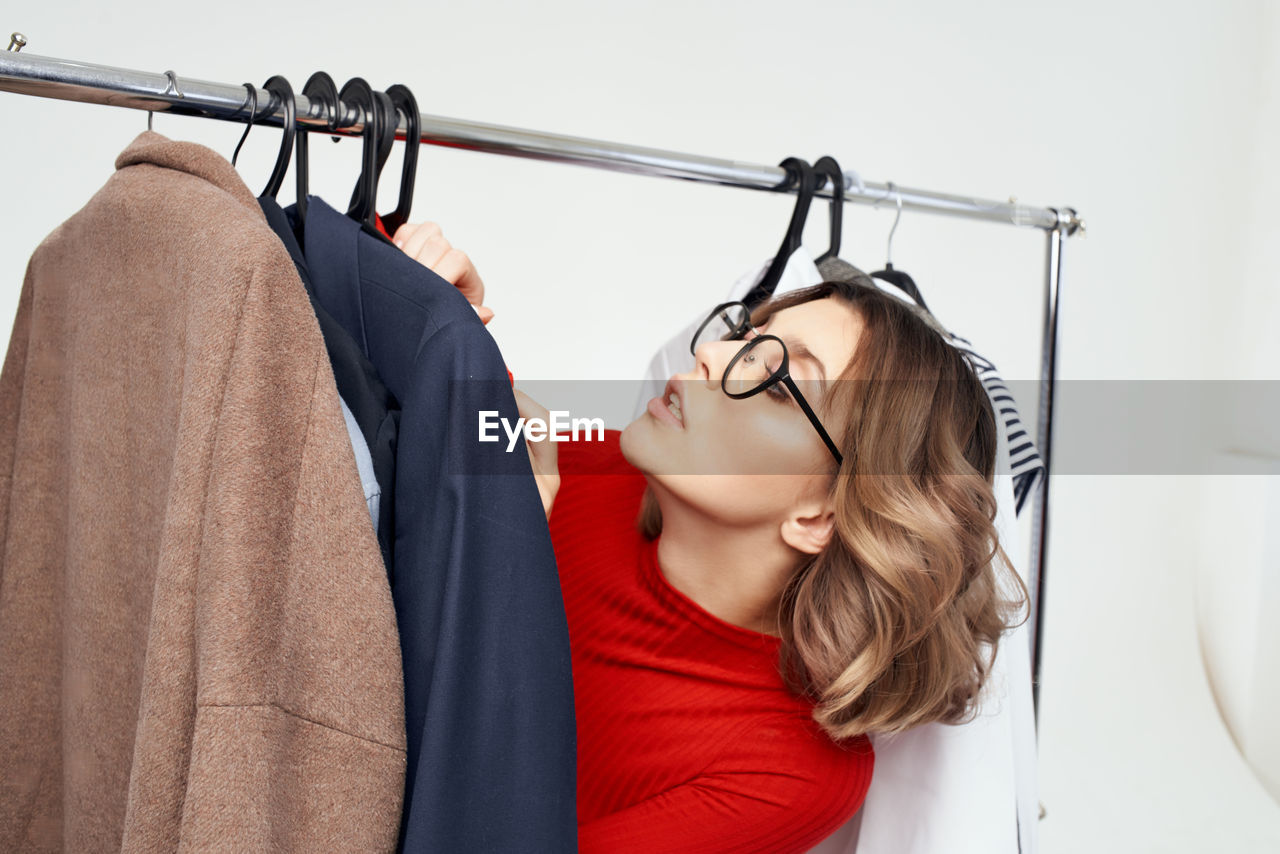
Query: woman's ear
809, 528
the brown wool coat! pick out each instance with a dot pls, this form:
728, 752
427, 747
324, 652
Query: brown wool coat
198, 647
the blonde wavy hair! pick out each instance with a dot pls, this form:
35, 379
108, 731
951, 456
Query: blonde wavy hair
896, 622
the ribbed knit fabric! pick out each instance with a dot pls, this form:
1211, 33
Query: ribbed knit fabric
688, 740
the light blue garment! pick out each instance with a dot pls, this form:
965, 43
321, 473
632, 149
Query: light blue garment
364, 464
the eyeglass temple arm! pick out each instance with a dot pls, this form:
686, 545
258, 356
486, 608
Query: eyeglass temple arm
808, 410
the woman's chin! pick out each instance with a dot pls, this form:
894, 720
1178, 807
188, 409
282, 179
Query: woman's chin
636, 441
647, 445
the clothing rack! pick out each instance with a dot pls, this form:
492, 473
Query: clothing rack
47, 77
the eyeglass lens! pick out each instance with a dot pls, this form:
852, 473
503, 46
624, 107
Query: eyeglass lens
755, 365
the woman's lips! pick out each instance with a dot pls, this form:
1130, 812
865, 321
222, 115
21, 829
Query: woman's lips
662, 410
659, 409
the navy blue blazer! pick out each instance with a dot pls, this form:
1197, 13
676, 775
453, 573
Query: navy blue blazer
488, 681
376, 411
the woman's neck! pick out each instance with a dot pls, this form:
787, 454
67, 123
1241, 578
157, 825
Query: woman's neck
735, 573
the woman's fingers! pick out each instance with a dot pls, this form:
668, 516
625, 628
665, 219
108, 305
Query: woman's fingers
456, 268
415, 233
428, 248
421, 242
425, 243
404, 232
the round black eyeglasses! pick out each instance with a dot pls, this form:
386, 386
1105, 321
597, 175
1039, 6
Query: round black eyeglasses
759, 365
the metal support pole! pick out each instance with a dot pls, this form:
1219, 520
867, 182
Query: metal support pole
1044, 440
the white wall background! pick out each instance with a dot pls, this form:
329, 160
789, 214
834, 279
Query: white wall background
1158, 121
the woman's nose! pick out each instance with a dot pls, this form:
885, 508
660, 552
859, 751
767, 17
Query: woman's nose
712, 358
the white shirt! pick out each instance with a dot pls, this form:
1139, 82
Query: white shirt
364, 464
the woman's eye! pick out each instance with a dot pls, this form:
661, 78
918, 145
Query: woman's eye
779, 393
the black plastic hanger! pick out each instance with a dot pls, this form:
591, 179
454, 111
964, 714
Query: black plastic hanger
408, 105
897, 277
252, 98
319, 89
357, 92
387, 120
281, 87
800, 173
828, 167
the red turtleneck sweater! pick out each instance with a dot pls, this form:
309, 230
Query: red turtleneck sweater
688, 739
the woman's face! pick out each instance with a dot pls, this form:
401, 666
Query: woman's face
749, 461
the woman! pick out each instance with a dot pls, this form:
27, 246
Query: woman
792, 548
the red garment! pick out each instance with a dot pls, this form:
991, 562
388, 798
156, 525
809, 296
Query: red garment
688, 740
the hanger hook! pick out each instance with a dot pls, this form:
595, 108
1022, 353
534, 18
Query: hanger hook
170, 87
826, 168
253, 113
896, 218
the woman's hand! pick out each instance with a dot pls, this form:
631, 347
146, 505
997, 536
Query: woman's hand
425, 243
543, 456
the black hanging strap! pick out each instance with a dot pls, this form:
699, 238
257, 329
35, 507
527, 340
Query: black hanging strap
801, 173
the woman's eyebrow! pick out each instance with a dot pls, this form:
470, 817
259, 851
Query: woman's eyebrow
800, 351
